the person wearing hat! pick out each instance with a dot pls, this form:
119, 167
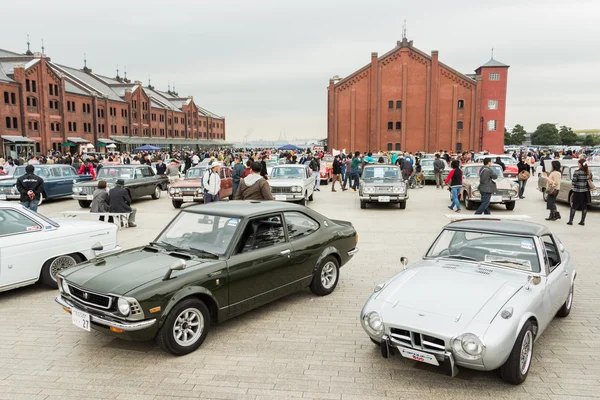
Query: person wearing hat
211, 181
120, 201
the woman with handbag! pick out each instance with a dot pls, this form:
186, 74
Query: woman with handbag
552, 188
524, 174
582, 184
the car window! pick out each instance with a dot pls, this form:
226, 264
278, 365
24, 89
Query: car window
286, 172
552, 253
12, 222
381, 172
222, 173
147, 172
55, 172
108, 172
67, 171
299, 225
565, 173
261, 233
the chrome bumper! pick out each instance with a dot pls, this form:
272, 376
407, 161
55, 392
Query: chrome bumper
288, 197
180, 198
126, 326
12, 196
353, 251
81, 197
375, 198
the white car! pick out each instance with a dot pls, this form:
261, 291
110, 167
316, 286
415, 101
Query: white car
292, 182
34, 247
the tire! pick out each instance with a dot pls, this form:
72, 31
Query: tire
84, 203
310, 198
363, 204
177, 204
510, 206
302, 202
375, 342
52, 267
544, 195
402, 205
468, 203
514, 371
326, 277
193, 310
571, 199
565, 310
157, 192
42, 198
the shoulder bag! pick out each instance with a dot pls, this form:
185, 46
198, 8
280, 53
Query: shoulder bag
591, 185
524, 175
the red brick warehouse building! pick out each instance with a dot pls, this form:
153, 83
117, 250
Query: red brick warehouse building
44, 105
408, 100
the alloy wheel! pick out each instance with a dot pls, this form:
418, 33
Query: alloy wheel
59, 264
188, 327
328, 275
526, 352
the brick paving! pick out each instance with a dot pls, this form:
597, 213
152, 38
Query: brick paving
303, 346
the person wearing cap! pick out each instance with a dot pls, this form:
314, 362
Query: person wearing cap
211, 181
120, 201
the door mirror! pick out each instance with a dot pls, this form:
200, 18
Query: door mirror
404, 261
178, 265
97, 247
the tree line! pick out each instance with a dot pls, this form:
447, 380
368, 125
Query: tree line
549, 135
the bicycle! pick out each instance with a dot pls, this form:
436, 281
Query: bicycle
416, 181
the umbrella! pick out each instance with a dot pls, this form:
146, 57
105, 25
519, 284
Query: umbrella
100, 144
67, 144
289, 147
111, 146
147, 147
89, 146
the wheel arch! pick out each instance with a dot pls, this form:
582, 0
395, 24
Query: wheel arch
199, 293
329, 251
79, 257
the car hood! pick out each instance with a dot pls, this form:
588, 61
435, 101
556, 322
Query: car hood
436, 297
122, 272
87, 225
501, 183
285, 182
188, 183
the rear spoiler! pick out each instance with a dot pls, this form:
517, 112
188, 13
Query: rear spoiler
459, 217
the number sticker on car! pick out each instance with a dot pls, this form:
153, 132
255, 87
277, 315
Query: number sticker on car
81, 319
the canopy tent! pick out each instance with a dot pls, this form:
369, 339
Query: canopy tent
290, 147
67, 144
147, 147
111, 146
89, 146
100, 144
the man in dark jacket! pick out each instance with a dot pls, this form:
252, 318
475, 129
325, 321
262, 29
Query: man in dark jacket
236, 174
120, 201
263, 166
337, 174
438, 170
315, 167
487, 186
161, 167
30, 187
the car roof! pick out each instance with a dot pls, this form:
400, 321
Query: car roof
126, 165
291, 165
500, 226
243, 208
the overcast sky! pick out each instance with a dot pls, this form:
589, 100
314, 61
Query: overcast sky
265, 64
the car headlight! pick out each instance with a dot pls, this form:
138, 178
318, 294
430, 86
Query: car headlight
62, 285
369, 189
475, 193
172, 190
512, 192
468, 346
373, 323
123, 306
77, 189
396, 189
595, 192
296, 189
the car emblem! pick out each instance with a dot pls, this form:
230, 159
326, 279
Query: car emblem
421, 315
85, 295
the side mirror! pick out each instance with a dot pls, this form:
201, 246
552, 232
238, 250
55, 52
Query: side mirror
404, 261
178, 265
533, 280
97, 247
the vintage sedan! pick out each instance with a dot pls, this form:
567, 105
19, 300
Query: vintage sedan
292, 182
507, 190
139, 179
382, 183
566, 183
211, 263
427, 168
58, 181
511, 169
190, 189
482, 295
36, 248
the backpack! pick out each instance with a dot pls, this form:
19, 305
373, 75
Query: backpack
206, 179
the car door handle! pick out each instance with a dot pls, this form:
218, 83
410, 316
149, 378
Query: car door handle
566, 273
285, 252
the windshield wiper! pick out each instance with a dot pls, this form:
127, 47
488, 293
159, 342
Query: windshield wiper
164, 244
520, 264
202, 251
459, 257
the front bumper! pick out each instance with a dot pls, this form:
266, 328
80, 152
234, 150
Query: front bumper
374, 198
10, 197
288, 196
138, 330
353, 251
505, 199
187, 199
83, 196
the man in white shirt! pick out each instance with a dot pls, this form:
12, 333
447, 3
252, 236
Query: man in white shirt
211, 181
195, 160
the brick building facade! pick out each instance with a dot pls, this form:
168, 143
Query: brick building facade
408, 100
44, 105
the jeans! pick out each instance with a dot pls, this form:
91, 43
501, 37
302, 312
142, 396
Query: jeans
343, 175
317, 177
210, 198
438, 180
455, 202
522, 187
31, 204
484, 207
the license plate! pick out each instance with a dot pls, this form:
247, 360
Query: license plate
2, 197
188, 199
418, 356
81, 319
89, 197
280, 197
496, 199
384, 199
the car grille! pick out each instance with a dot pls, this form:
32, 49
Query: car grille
383, 189
6, 190
189, 190
280, 190
501, 192
92, 299
87, 189
417, 340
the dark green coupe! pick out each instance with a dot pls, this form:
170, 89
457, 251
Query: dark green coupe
211, 263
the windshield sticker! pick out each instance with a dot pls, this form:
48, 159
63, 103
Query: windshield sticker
33, 228
526, 244
233, 222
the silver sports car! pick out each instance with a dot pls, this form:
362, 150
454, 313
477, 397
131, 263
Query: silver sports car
481, 296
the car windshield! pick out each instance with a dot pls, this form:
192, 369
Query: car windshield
108, 172
508, 160
287, 173
381, 173
195, 173
427, 163
516, 252
473, 171
207, 235
43, 172
595, 171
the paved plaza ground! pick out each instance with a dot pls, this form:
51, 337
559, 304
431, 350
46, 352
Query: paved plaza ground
302, 346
